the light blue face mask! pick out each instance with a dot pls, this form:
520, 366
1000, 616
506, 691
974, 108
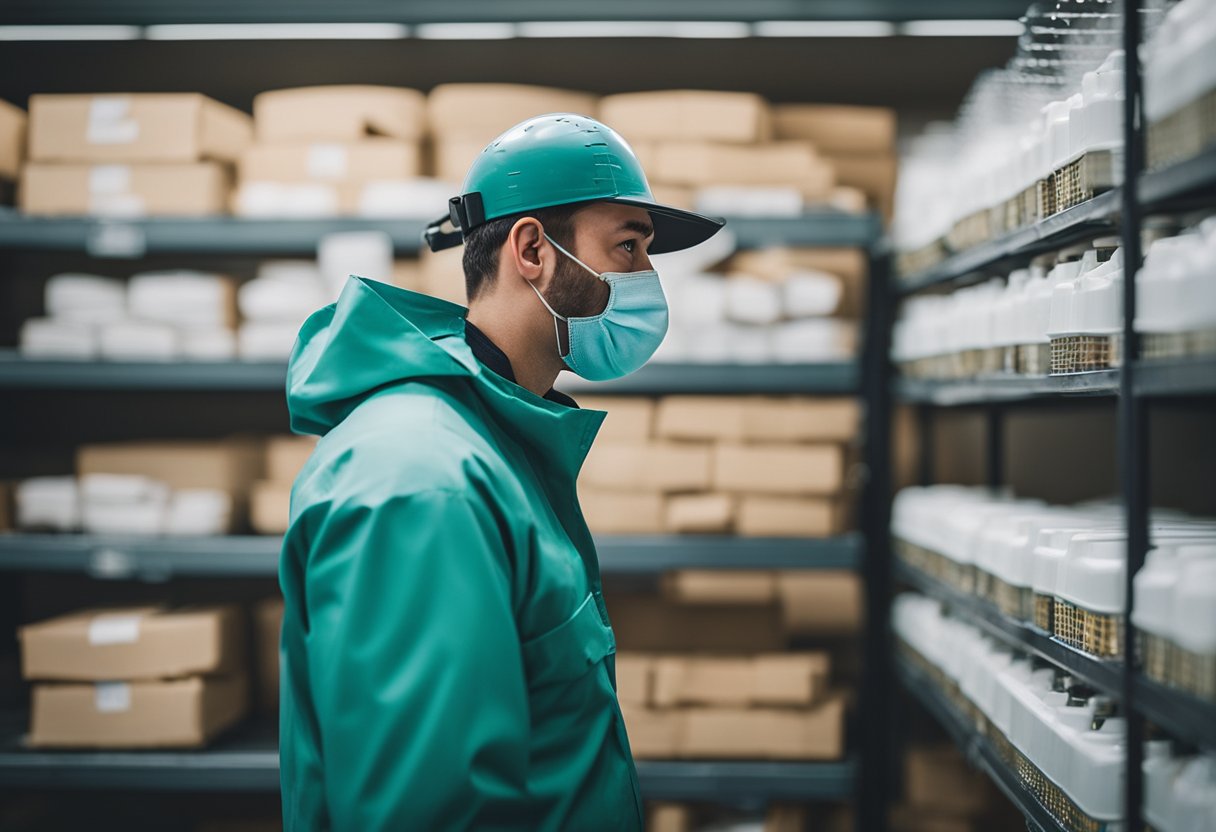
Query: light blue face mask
622, 338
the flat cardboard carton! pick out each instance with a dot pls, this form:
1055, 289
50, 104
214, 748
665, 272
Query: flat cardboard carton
776, 679
339, 113
699, 513
739, 117
654, 466
634, 678
821, 602
124, 190
647, 622
790, 516
720, 586
226, 465
779, 469
12, 139
837, 129
483, 111
270, 507
621, 512
815, 733
267, 624
629, 419
286, 455
361, 160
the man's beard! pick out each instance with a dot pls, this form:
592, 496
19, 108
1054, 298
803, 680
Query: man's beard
574, 292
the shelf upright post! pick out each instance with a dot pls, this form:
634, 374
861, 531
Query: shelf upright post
1132, 434
877, 782
994, 437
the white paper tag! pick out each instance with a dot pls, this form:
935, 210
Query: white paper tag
117, 205
114, 628
110, 121
327, 161
109, 179
112, 697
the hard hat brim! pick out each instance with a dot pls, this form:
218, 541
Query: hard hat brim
674, 228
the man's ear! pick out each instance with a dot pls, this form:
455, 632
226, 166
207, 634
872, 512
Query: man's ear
524, 247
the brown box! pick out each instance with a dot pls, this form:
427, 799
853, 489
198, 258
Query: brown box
134, 643
483, 111
775, 264
270, 507
874, 174
779, 469
654, 466
791, 679
646, 622
267, 626
740, 117
790, 516
905, 818
668, 817
634, 678
227, 465
699, 513
676, 196
781, 163
340, 113
7, 514
815, 733
12, 139
452, 157
653, 734
837, 129
443, 275
140, 127
629, 419
621, 512
938, 779
720, 586
286, 455
351, 161
821, 603
183, 189
180, 713
757, 418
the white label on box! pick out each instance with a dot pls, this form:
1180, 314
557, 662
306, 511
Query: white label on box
112, 697
109, 179
327, 161
117, 205
109, 121
114, 628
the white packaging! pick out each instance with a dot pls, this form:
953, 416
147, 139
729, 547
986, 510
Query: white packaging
181, 297
810, 294
53, 338
750, 300
813, 340
743, 201
266, 340
48, 503
140, 341
286, 200
284, 290
198, 511
210, 344
418, 199
85, 298
362, 253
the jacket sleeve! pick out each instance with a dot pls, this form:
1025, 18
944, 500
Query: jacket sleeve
415, 665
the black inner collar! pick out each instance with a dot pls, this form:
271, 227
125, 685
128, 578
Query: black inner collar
488, 353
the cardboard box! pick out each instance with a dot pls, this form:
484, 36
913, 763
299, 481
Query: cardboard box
181, 713
790, 517
286, 455
12, 139
140, 127
720, 586
674, 195
779, 469
407, 274
268, 626
339, 113
134, 643
482, 112
646, 622
874, 174
699, 513
837, 129
816, 733
452, 157
905, 818
630, 418
653, 734
621, 512
352, 161
270, 507
757, 418
775, 264
938, 779
652, 466
229, 465
821, 603
786, 819
668, 817
634, 678
781, 163
136, 190
443, 275
738, 117
788, 679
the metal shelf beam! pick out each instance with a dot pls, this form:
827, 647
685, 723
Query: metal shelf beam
161, 558
996, 389
238, 236
1178, 713
1077, 223
1180, 184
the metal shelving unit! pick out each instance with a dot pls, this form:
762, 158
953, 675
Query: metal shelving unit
976, 748
1082, 221
1179, 184
255, 237
247, 760
162, 558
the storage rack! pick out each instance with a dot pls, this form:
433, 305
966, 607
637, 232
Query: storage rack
1180, 187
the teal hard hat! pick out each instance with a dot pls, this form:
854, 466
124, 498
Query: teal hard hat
562, 159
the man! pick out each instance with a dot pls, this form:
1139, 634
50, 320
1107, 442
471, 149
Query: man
448, 658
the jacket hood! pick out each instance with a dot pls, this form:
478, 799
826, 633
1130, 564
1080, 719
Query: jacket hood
377, 335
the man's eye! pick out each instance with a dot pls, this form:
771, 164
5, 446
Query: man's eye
629, 245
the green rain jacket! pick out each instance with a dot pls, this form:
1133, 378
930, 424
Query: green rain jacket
448, 662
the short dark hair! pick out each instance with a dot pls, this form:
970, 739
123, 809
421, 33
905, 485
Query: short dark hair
483, 244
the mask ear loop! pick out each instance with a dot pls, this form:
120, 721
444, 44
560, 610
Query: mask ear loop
556, 317
571, 256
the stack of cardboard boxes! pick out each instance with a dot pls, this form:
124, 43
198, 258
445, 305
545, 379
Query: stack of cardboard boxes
137, 677
270, 501
944, 794
12, 149
752, 466
336, 150
131, 155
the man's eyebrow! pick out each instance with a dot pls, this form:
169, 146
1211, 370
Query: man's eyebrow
643, 228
